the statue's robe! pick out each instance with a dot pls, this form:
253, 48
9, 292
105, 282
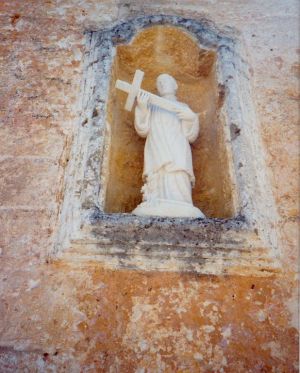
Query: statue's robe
168, 168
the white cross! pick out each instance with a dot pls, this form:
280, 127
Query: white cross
134, 88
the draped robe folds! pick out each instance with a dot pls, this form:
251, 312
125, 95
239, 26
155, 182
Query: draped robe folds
168, 168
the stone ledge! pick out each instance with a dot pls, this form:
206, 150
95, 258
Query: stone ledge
206, 246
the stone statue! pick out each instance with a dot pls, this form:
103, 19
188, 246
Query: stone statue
168, 126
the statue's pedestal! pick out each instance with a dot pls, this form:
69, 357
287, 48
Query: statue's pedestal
163, 207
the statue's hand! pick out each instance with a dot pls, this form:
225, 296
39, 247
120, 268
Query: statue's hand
143, 100
185, 113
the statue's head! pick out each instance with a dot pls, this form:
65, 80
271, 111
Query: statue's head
166, 84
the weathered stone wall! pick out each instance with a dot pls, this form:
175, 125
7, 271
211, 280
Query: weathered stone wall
81, 317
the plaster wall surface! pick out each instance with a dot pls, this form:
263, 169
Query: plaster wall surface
85, 318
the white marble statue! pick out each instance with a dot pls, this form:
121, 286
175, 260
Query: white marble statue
168, 169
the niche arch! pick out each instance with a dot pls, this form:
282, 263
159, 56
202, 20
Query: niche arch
169, 49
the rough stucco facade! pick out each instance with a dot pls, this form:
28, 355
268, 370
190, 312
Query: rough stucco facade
80, 317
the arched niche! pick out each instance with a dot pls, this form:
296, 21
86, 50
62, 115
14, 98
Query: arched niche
173, 50
103, 176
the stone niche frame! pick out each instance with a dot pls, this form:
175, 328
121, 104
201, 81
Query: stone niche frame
242, 245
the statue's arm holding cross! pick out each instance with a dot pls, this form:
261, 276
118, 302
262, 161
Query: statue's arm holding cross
143, 97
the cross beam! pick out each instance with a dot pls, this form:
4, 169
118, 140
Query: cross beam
134, 88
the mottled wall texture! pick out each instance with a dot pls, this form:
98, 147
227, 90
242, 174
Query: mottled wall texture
80, 317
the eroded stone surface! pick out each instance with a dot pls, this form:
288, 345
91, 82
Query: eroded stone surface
84, 316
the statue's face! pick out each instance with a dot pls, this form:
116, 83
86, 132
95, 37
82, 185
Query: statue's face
166, 85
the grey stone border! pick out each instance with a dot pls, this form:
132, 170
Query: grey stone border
246, 244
